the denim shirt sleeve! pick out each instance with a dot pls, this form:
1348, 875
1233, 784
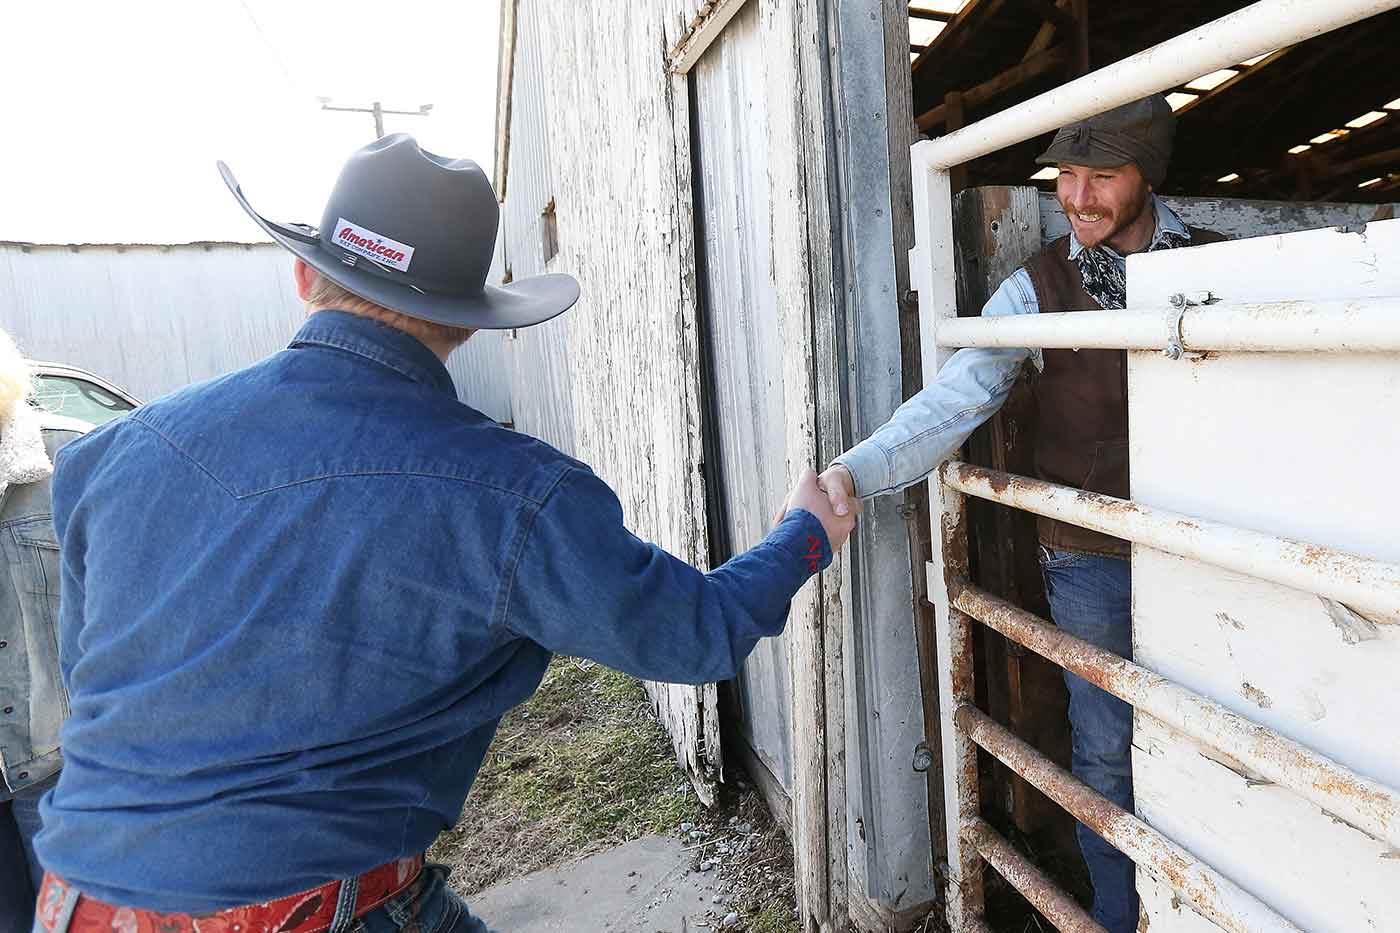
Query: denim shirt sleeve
585, 586
925, 430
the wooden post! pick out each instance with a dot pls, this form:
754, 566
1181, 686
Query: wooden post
955, 118
1303, 172
1081, 36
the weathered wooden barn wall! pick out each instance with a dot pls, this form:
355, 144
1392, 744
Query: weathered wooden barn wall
750, 472
156, 318
593, 176
770, 215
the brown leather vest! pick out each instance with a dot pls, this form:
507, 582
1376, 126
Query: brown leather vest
1082, 438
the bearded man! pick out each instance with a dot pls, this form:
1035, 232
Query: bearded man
1109, 167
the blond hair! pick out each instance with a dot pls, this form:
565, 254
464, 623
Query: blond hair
325, 294
16, 378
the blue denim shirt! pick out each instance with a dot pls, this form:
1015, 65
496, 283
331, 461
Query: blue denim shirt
298, 599
970, 388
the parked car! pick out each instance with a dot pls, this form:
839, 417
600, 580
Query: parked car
77, 393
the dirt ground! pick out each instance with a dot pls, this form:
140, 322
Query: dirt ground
584, 765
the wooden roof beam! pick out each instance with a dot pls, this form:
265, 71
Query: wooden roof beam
1054, 15
1043, 63
959, 30
1244, 71
1318, 166
1388, 158
1046, 37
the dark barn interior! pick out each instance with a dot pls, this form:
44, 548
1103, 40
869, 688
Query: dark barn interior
1317, 121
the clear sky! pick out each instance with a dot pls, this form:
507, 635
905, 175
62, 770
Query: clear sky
114, 113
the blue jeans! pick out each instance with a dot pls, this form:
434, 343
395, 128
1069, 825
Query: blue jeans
1091, 598
20, 873
425, 906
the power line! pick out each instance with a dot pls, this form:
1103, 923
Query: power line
276, 55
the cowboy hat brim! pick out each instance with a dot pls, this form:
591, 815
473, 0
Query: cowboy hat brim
529, 301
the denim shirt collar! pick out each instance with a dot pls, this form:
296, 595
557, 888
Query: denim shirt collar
1167, 222
376, 342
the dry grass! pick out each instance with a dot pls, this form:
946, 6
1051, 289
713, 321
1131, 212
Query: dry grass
582, 765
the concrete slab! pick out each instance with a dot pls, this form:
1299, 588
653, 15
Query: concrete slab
644, 886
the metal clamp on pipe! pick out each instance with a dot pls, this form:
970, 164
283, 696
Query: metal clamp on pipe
1176, 343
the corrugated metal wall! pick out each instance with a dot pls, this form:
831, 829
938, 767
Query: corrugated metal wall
150, 318
156, 318
538, 356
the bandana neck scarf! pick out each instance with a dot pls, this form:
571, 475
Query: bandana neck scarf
1105, 277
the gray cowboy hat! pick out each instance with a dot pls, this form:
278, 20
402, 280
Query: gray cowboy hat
415, 232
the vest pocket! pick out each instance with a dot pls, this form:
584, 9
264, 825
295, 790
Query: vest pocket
1108, 474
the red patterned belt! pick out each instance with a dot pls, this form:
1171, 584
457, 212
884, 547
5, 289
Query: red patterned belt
307, 912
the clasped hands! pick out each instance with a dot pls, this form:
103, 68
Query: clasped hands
831, 497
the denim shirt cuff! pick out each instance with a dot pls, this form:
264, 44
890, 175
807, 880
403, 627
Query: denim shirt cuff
801, 536
869, 466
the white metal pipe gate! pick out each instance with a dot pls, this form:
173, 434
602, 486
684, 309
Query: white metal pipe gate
1340, 326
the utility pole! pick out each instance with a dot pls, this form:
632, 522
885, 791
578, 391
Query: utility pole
378, 110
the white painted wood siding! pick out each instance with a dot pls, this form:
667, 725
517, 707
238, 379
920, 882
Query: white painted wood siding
744, 328
1299, 445
614, 382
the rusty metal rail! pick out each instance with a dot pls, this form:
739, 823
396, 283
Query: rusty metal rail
1367, 805
1365, 585
1057, 906
1214, 896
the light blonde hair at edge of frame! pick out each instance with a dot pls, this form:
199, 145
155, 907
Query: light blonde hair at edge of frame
325, 294
16, 378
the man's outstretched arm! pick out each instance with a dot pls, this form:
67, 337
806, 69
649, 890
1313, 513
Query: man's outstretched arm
926, 429
584, 585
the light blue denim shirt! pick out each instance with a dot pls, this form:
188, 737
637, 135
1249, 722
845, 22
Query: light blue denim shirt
33, 701
925, 430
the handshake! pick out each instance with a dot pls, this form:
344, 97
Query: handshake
831, 498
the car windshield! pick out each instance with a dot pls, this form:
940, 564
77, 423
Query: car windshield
76, 397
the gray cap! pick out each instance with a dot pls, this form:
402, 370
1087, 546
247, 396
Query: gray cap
1140, 132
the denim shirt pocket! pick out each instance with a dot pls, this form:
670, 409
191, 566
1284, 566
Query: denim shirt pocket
32, 554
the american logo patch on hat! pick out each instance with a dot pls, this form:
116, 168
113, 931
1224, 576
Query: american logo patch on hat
371, 245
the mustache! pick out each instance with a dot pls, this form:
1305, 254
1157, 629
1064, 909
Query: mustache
1076, 209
